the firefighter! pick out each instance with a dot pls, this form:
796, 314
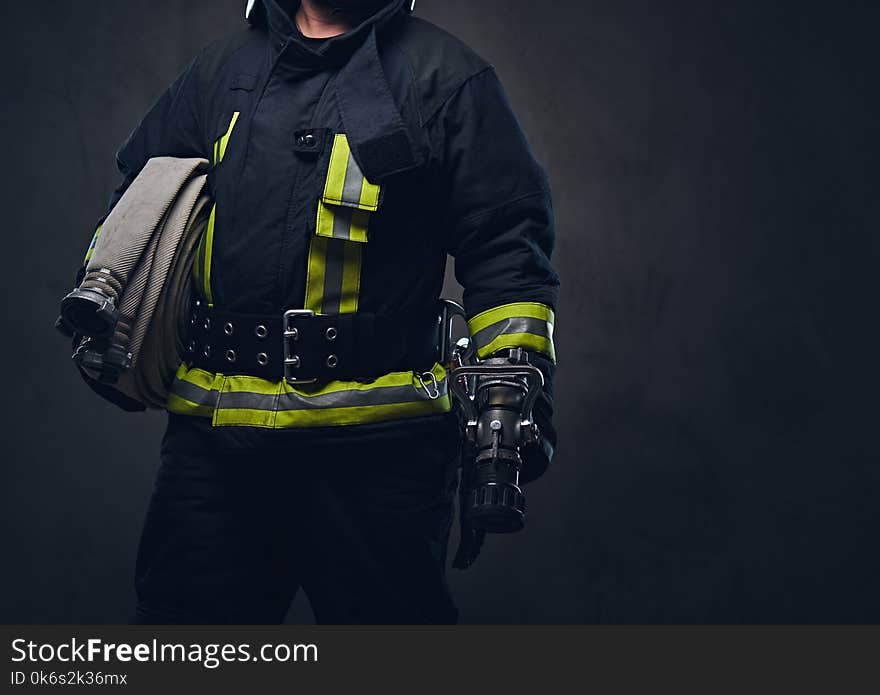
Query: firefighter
311, 439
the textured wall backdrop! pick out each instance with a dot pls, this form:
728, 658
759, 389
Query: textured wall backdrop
714, 168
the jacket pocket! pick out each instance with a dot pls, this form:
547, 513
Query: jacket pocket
347, 199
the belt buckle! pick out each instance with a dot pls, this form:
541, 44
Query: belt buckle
291, 360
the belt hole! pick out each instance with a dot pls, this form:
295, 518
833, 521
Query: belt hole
261, 332
208, 324
207, 351
228, 328
262, 359
332, 361
331, 333
230, 355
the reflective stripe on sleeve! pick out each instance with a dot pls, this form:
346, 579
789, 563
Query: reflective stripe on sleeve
223, 141
91, 248
201, 271
203, 259
528, 325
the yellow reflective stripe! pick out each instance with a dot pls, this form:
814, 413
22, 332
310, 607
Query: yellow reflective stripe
339, 156
337, 222
181, 406
206, 259
220, 145
209, 384
348, 198
369, 198
91, 248
533, 310
315, 274
326, 220
355, 415
357, 231
527, 325
198, 377
202, 264
351, 278
240, 383
346, 184
333, 276
206, 391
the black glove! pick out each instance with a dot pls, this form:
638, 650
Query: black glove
536, 457
469, 544
105, 391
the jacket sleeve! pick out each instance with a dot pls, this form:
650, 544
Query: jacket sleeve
172, 128
501, 229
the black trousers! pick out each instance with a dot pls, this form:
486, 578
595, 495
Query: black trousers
236, 526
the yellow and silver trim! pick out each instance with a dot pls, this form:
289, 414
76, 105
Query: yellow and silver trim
527, 325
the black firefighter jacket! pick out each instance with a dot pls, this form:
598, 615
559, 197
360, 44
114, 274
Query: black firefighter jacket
342, 177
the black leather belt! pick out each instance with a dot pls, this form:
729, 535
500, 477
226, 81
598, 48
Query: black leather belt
303, 347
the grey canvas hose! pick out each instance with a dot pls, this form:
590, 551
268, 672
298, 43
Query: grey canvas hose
138, 280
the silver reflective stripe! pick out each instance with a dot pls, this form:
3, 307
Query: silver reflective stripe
272, 402
342, 222
518, 324
195, 394
354, 182
387, 395
334, 262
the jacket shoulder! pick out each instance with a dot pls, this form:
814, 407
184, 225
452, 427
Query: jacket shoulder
440, 62
216, 54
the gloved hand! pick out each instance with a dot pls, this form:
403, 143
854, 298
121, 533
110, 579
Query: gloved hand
470, 543
536, 457
106, 392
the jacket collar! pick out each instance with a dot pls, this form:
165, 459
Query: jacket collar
280, 24
382, 142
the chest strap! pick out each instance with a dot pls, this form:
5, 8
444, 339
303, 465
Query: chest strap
303, 347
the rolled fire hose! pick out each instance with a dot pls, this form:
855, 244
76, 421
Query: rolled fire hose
132, 301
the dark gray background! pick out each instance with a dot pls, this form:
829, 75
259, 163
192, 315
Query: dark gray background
714, 169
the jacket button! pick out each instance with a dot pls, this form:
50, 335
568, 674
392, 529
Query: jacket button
309, 140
